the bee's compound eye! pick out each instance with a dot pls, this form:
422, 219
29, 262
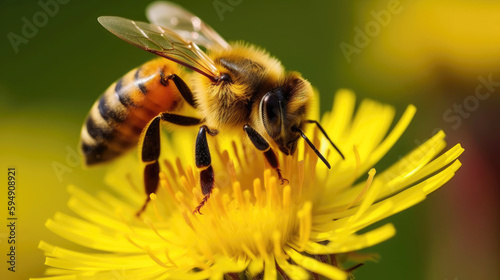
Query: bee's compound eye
271, 108
272, 114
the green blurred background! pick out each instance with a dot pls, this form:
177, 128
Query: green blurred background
434, 54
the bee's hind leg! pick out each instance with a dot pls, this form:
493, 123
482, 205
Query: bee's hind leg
262, 145
150, 150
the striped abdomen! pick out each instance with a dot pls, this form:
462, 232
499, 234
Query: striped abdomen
119, 116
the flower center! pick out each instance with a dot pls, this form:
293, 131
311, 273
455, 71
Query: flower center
249, 214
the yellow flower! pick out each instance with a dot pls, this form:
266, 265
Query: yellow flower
252, 225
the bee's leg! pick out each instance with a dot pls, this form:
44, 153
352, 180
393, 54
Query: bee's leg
262, 145
204, 162
180, 120
150, 151
182, 87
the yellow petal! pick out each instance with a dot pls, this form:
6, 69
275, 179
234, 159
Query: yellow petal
315, 266
353, 242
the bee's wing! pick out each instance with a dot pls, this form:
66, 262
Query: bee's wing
184, 23
163, 42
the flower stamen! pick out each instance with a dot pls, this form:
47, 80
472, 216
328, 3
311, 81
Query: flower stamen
305, 224
148, 222
287, 193
153, 198
126, 236
238, 194
248, 251
190, 177
273, 196
257, 192
180, 170
231, 171
368, 183
278, 251
259, 243
165, 184
357, 159
156, 259
170, 259
237, 153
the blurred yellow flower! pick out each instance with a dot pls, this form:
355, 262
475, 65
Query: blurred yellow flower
252, 225
448, 42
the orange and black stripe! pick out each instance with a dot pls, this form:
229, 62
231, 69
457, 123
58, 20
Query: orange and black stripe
118, 117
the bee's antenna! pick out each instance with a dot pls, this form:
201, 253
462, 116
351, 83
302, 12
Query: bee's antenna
326, 135
312, 146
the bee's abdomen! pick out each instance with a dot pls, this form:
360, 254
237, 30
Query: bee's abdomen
118, 117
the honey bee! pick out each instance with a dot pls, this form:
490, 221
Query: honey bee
233, 86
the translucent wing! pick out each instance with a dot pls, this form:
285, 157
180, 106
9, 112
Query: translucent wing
184, 23
162, 42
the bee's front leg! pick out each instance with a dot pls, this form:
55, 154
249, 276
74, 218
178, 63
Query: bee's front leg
262, 145
182, 87
204, 163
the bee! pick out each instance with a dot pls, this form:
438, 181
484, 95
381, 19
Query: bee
231, 86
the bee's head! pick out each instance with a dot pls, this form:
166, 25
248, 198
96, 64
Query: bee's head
284, 109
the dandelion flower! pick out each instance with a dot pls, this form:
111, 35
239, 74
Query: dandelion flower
252, 226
